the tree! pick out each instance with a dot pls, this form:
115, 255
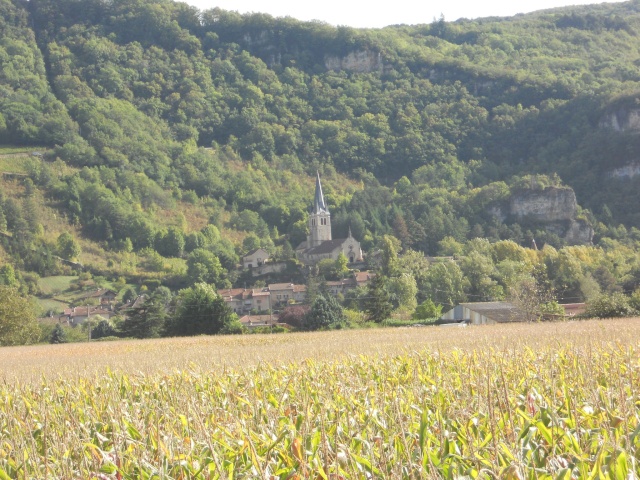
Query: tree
341, 263
390, 247
170, 243
325, 313
532, 298
200, 311
18, 325
8, 276
103, 329
293, 315
90, 324
204, 267
58, 335
129, 294
445, 284
403, 289
427, 310
378, 305
146, 320
610, 306
67, 246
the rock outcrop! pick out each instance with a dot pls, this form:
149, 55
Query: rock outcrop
548, 205
622, 120
628, 171
361, 61
553, 208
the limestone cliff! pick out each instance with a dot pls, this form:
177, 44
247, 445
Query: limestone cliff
623, 119
361, 61
553, 208
628, 171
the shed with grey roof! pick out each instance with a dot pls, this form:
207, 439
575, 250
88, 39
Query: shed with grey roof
484, 313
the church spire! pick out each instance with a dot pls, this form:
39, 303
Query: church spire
318, 205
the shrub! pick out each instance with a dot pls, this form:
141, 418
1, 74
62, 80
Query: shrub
608, 306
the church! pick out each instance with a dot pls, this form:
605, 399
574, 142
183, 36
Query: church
320, 244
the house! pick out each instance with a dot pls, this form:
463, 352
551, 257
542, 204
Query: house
361, 279
242, 300
267, 268
134, 304
78, 315
320, 243
571, 309
104, 296
484, 313
234, 297
255, 258
255, 321
358, 279
283, 293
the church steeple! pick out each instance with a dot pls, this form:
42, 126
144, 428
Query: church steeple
318, 205
320, 218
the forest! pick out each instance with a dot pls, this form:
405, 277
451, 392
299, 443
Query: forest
154, 144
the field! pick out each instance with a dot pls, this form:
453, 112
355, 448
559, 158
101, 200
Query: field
56, 284
511, 401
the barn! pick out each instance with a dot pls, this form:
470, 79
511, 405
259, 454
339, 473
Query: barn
484, 313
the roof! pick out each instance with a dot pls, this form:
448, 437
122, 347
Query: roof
82, 312
362, 277
319, 205
264, 292
231, 292
99, 293
253, 252
338, 283
500, 312
327, 246
281, 286
258, 319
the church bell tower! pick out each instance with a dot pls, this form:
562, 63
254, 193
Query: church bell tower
319, 220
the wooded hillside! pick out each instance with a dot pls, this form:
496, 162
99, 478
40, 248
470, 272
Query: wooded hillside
166, 130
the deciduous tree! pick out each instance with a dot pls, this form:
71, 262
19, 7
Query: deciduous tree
18, 325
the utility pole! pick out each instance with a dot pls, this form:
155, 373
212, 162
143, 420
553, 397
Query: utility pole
270, 312
88, 323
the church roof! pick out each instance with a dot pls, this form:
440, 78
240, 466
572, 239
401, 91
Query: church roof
327, 246
319, 205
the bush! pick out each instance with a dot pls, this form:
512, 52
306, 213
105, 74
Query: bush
293, 315
609, 306
427, 311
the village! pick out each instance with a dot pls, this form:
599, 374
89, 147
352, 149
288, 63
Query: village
261, 306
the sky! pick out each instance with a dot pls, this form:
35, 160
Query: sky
376, 13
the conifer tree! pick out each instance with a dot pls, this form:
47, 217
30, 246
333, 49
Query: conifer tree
378, 305
325, 312
58, 335
145, 321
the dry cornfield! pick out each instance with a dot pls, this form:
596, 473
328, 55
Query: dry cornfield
509, 401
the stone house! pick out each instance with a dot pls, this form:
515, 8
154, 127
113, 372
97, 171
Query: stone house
255, 258
242, 300
104, 296
78, 315
283, 293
